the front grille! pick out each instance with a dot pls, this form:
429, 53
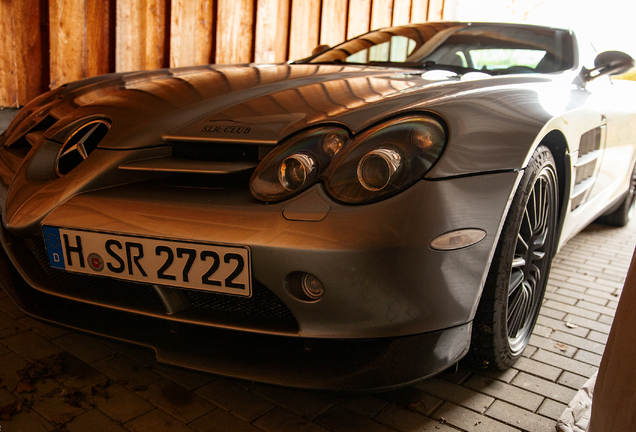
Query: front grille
263, 304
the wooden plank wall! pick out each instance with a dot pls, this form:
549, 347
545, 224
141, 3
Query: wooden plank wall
45, 43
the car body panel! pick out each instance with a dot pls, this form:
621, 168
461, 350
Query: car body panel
386, 288
353, 259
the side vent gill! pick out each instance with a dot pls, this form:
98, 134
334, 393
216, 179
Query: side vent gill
586, 165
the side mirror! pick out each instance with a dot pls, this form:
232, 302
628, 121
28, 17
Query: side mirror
609, 63
320, 49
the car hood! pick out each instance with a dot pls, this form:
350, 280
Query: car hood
245, 103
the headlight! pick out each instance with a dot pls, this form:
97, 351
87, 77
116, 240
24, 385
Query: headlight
380, 162
385, 159
297, 164
376, 168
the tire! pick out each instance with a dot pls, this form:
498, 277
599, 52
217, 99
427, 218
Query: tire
625, 212
515, 285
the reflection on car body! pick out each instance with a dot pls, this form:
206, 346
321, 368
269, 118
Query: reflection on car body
357, 220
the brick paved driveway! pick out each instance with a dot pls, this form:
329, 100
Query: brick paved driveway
77, 383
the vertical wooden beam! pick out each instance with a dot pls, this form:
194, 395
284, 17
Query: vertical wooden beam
128, 43
272, 28
68, 40
381, 14
359, 17
20, 44
156, 36
419, 11
333, 22
234, 33
401, 12
98, 37
304, 28
140, 29
436, 10
191, 24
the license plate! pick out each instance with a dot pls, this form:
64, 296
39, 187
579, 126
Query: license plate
200, 266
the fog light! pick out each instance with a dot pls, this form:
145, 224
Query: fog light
311, 286
295, 170
377, 167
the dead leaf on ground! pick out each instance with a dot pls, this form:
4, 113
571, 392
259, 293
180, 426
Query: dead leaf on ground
49, 367
10, 409
61, 419
571, 325
561, 347
99, 391
73, 397
24, 387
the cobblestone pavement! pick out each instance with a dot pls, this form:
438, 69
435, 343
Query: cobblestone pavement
78, 383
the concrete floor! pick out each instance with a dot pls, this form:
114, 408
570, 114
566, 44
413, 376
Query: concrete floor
81, 383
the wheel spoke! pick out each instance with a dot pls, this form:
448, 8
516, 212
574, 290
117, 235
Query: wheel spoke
522, 245
516, 280
518, 262
517, 315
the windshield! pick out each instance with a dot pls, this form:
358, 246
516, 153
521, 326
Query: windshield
490, 48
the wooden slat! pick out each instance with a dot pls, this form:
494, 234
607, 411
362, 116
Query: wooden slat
234, 31
272, 28
304, 28
401, 12
419, 11
191, 35
359, 17
154, 35
68, 37
435, 10
8, 66
140, 34
333, 22
381, 14
98, 37
21, 53
128, 44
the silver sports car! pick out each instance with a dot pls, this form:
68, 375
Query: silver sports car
358, 220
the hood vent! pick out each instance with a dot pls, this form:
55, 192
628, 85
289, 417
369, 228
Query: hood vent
203, 158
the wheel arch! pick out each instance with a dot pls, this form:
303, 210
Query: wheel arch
558, 145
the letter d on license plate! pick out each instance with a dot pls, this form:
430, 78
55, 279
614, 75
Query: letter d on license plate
200, 266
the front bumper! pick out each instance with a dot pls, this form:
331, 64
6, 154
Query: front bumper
321, 364
394, 310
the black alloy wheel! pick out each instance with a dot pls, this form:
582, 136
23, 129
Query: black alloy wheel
518, 275
530, 264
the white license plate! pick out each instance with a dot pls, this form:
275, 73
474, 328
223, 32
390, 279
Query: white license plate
200, 266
